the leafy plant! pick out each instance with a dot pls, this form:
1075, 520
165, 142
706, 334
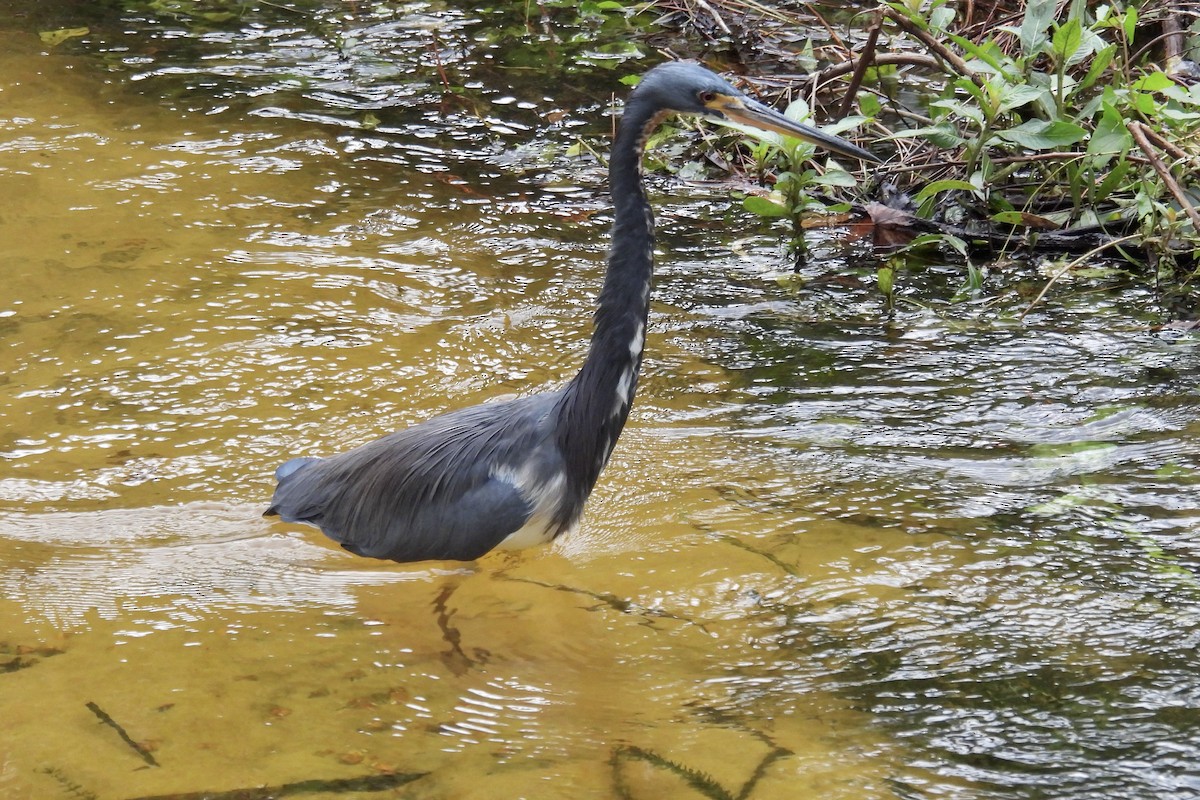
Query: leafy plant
799, 186
1038, 127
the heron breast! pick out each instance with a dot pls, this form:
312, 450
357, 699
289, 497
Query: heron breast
543, 489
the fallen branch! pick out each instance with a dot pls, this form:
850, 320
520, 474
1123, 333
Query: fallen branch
1141, 135
366, 783
889, 218
877, 60
865, 59
933, 45
140, 749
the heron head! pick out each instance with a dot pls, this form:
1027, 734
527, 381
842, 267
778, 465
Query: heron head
688, 88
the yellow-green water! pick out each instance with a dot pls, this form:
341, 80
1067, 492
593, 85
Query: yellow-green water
834, 558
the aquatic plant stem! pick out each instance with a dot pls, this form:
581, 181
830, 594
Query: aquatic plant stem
1071, 265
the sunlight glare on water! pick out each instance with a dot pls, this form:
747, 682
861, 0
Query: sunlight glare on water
834, 556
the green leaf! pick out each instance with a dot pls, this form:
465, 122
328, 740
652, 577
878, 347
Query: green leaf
869, 105
960, 109
1100, 273
764, 207
925, 240
1038, 16
988, 53
844, 124
1037, 134
943, 136
61, 35
1099, 64
1091, 44
1111, 134
1144, 103
1016, 96
1177, 115
1072, 450
967, 85
955, 243
1153, 82
1189, 96
797, 110
1067, 40
1112, 180
1130, 29
940, 18
885, 279
1009, 218
947, 185
835, 177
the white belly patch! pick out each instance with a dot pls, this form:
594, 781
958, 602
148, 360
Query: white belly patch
543, 497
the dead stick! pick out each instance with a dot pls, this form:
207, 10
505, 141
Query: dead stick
1173, 38
1139, 132
833, 35
936, 47
1176, 153
146, 755
880, 59
712, 12
437, 60
367, 783
865, 59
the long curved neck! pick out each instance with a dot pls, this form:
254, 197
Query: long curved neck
595, 404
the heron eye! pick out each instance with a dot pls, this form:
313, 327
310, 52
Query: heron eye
707, 97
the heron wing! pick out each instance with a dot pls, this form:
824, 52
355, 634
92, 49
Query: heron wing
437, 490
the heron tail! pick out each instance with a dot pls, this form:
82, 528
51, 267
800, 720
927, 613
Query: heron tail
288, 468
282, 473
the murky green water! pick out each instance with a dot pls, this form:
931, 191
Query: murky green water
946, 555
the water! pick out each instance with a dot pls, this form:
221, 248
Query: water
837, 555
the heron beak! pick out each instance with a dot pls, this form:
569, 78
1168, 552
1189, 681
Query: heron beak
755, 115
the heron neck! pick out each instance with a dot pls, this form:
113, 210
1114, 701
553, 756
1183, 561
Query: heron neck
596, 403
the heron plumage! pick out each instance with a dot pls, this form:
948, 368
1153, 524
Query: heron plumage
439, 490
518, 473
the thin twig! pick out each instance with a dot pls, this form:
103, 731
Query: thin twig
1175, 151
140, 749
434, 45
1074, 263
378, 782
865, 59
937, 48
879, 60
1140, 135
833, 34
712, 12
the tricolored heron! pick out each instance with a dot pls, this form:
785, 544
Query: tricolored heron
517, 473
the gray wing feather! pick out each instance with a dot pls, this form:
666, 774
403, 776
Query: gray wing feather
426, 492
